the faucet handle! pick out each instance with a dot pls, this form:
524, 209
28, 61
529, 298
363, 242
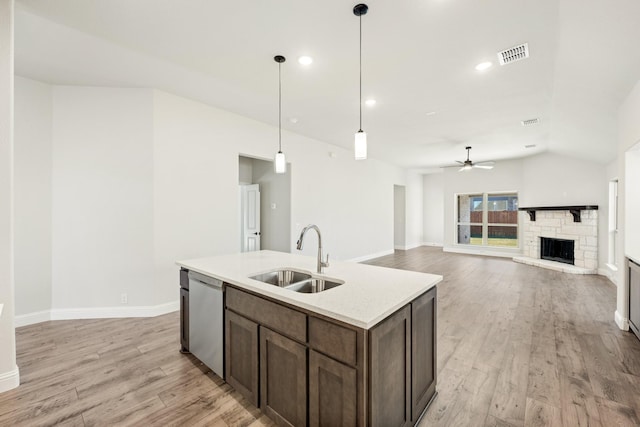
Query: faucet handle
326, 263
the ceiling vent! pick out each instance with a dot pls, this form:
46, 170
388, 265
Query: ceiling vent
530, 122
513, 54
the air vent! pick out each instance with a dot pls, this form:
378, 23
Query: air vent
530, 122
514, 54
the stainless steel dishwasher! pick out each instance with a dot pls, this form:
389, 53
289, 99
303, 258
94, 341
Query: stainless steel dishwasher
206, 321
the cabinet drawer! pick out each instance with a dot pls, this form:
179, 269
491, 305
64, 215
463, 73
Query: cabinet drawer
333, 340
275, 316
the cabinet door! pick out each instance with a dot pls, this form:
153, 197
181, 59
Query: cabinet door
241, 354
423, 352
634, 297
332, 392
390, 371
283, 379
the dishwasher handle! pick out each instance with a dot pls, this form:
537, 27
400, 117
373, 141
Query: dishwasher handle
206, 280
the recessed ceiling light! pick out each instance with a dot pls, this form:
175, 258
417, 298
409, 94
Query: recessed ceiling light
530, 146
305, 60
483, 66
370, 102
293, 120
431, 113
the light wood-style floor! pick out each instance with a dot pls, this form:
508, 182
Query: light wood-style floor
517, 345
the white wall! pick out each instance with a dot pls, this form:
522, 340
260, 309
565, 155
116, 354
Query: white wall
32, 225
9, 374
275, 206
245, 174
433, 208
196, 176
142, 178
102, 197
399, 217
628, 136
414, 197
550, 179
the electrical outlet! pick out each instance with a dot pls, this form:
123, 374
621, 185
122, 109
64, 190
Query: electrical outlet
124, 299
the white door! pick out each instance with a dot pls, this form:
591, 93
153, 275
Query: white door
250, 218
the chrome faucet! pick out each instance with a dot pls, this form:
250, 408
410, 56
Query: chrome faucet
321, 264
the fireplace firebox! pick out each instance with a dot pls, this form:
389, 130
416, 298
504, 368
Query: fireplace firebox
560, 250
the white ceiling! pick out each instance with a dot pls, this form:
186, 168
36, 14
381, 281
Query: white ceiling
418, 57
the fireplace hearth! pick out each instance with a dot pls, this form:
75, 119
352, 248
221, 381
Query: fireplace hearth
560, 250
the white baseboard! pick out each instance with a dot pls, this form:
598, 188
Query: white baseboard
32, 318
371, 256
9, 380
623, 323
483, 252
437, 245
96, 313
407, 247
609, 274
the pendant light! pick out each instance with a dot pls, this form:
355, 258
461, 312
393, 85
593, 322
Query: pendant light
279, 162
360, 145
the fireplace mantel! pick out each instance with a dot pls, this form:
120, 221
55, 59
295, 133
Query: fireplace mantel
575, 210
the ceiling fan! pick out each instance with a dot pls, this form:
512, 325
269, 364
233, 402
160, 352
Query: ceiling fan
468, 164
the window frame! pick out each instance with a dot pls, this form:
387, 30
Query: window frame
485, 220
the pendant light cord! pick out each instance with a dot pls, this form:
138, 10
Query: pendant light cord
360, 73
279, 108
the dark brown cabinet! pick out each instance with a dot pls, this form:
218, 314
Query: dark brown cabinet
283, 378
423, 352
332, 392
303, 369
241, 354
634, 297
390, 371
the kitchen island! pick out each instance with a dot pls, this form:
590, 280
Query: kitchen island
362, 353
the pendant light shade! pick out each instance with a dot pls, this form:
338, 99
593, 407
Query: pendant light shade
360, 145
279, 161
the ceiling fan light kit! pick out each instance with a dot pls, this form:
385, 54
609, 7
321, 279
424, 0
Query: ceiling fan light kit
467, 165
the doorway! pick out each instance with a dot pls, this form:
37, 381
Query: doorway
264, 206
399, 217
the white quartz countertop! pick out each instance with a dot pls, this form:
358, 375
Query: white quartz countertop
369, 293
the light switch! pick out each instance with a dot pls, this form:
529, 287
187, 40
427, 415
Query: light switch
273, 205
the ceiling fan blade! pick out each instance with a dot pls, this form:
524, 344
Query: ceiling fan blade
462, 169
462, 163
483, 166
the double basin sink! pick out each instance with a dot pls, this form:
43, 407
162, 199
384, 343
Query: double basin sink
296, 281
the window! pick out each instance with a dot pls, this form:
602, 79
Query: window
488, 219
613, 223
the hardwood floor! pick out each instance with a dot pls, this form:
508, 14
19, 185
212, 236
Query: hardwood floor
517, 345
520, 345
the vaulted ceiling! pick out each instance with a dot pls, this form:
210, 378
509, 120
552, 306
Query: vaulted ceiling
419, 57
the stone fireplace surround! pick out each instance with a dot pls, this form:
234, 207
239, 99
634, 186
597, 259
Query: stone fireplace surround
560, 223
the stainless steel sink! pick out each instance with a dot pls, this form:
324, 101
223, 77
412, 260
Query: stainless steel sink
282, 278
296, 281
313, 285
